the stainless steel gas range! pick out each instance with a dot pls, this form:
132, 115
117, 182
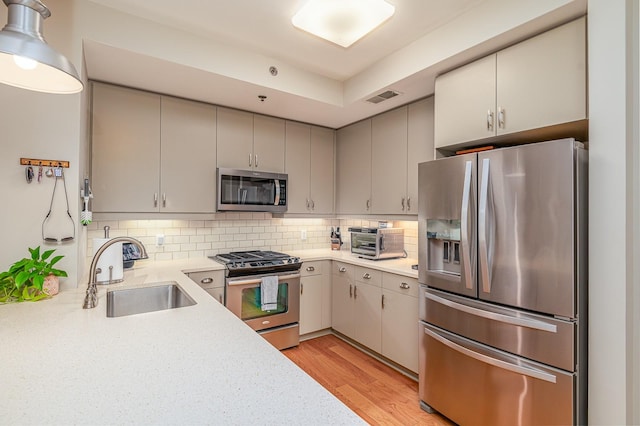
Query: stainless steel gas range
263, 289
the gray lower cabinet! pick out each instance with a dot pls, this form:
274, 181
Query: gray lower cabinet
377, 309
210, 281
315, 296
151, 153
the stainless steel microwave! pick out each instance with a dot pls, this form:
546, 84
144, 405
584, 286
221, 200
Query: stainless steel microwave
248, 190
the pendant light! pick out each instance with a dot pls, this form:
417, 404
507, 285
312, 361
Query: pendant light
26, 60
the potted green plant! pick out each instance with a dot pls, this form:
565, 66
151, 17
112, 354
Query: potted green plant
32, 278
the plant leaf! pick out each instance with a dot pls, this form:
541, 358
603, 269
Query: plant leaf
35, 253
21, 278
47, 253
55, 260
38, 280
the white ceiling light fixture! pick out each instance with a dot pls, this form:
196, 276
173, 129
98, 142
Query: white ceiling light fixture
342, 22
26, 60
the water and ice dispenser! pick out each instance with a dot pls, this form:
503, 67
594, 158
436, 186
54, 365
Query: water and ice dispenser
443, 246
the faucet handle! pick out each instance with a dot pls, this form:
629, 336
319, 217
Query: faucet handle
91, 299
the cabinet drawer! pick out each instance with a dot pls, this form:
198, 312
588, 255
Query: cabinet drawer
207, 279
400, 284
344, 269
368, 276
311, 268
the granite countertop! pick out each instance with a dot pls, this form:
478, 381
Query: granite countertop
62, 364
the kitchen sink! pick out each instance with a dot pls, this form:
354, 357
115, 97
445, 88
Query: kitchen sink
156, 297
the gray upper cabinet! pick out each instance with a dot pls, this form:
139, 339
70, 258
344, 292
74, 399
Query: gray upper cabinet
151, 153
309, 164
419, 146
188, 155
389, 159
537, 83
353, 168
249, 141
125, 149
268, 144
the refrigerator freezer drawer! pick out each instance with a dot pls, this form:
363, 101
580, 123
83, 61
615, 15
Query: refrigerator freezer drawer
543, 339
473, 384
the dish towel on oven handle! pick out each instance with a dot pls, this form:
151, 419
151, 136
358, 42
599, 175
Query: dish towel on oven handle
269, 293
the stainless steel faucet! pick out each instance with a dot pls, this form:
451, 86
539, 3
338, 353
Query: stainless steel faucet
91, 299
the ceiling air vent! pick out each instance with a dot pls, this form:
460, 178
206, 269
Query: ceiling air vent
383, 96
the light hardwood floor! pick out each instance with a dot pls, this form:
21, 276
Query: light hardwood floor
376, 392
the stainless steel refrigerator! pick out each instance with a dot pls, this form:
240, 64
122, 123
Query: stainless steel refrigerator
503, 275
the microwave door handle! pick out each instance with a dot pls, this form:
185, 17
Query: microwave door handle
482, 228
464, 225
277, 197
381, 242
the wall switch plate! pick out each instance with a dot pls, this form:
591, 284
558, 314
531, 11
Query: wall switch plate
303, 235
159, 239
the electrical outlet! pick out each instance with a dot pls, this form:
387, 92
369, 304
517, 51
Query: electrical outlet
159, 239
303, 235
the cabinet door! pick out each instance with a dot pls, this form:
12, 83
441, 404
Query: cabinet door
542, 81
310, 304
321, 184
268, 144
389, 159
465, 101
419, 146
234, 139
188, 156
400, 329
368, 302
342, 306
125, 153
297, 162
325, 314
353, 168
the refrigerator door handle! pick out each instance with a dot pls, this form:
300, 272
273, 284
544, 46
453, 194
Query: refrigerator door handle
518, 321
518, 369
464, 225
482, 228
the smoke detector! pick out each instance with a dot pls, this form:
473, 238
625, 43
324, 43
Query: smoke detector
380, 97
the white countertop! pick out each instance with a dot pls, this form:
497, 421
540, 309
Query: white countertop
62, 364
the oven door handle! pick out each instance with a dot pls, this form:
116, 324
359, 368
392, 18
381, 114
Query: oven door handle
258, 280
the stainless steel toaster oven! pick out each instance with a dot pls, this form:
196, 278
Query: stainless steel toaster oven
377, 243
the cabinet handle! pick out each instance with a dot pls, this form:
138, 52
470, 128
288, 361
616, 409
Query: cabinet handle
206, 281
308, 208
301, 289
342, 269
311, 268
490, 120
402, 203
313, 205
368, 204
405, 286
256, 162
383, 301
164, 200
366, 276
155, 199
501, 117
250, 158
409, 204
355, 291
350, 290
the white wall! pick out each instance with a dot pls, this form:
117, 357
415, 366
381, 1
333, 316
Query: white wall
43, 126
613, 227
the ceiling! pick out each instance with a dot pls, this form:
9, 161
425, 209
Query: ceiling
317, 82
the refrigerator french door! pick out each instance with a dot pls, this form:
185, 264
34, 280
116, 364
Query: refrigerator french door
502, 246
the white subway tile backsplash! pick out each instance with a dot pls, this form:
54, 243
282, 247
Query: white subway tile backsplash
238, 231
